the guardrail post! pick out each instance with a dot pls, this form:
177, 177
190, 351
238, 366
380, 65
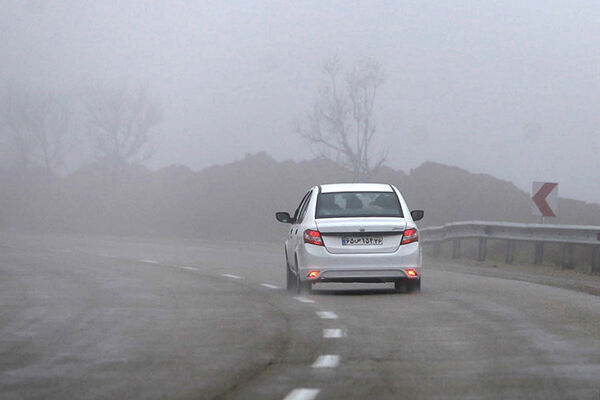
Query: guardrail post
539, 253
437, 247
456, 248
482, 249
567, 256
510, 251
514, 233
596, 259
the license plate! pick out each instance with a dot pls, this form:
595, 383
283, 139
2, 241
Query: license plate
362, 241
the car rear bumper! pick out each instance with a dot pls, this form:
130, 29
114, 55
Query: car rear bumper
359, 267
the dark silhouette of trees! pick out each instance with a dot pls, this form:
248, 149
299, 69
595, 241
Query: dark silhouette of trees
36, 124
120, 124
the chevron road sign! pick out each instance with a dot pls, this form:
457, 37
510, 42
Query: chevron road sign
544, 199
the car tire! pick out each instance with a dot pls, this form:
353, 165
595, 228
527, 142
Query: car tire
301, 286
414, 286
306, 287
297, 277
298, 284
290, 281
400, 286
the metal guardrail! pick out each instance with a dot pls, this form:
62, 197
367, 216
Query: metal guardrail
567, 235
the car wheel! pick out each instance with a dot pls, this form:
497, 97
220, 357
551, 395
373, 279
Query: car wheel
297, 277
301, 286
400, 286
290, 282
298, 284
414, 286
306, 287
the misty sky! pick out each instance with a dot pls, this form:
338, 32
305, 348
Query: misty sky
510, 88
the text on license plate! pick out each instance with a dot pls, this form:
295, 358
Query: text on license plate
362, 240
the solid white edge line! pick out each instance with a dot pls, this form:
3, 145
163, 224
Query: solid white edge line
304, 299
268, 285
333, 333
302, 394
327, 315
232, 276
327, 361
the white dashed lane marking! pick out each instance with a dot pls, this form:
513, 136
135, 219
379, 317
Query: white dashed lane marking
232, 276
333, 333
268, 285
327, 361
304, 299
149, 261
302, 394
327, 315
190, 268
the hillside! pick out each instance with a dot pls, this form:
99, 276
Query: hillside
238, 200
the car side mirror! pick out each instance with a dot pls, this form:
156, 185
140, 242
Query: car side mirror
284, 217
417, 215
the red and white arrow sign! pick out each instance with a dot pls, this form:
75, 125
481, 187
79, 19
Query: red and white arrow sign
545, 199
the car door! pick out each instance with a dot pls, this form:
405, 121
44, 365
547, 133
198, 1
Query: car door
295, 233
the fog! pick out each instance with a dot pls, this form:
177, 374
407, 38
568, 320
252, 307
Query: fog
162, 234
506, 88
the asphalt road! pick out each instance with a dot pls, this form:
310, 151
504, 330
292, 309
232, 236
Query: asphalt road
103, 318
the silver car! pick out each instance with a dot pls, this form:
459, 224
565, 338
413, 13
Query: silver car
353, 232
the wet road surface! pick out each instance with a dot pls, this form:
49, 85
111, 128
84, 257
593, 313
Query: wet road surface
98, 317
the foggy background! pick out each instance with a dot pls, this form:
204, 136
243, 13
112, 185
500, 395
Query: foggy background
506, 88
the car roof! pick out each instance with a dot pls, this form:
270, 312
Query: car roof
356, 187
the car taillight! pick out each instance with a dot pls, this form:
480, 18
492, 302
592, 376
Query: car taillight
313, 237
411, 273
410, 235
313, 274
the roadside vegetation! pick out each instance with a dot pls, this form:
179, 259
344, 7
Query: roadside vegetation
238, 200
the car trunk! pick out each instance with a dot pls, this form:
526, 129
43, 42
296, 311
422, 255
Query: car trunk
361, 235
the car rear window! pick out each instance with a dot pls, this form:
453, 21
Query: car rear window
358, 204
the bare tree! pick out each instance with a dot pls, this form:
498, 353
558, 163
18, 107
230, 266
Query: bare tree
120, 124
340, 126
51, 131
37, 124
15, 122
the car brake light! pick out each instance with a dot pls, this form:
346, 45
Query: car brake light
313, 274
410, 235
411, 273
313, 237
